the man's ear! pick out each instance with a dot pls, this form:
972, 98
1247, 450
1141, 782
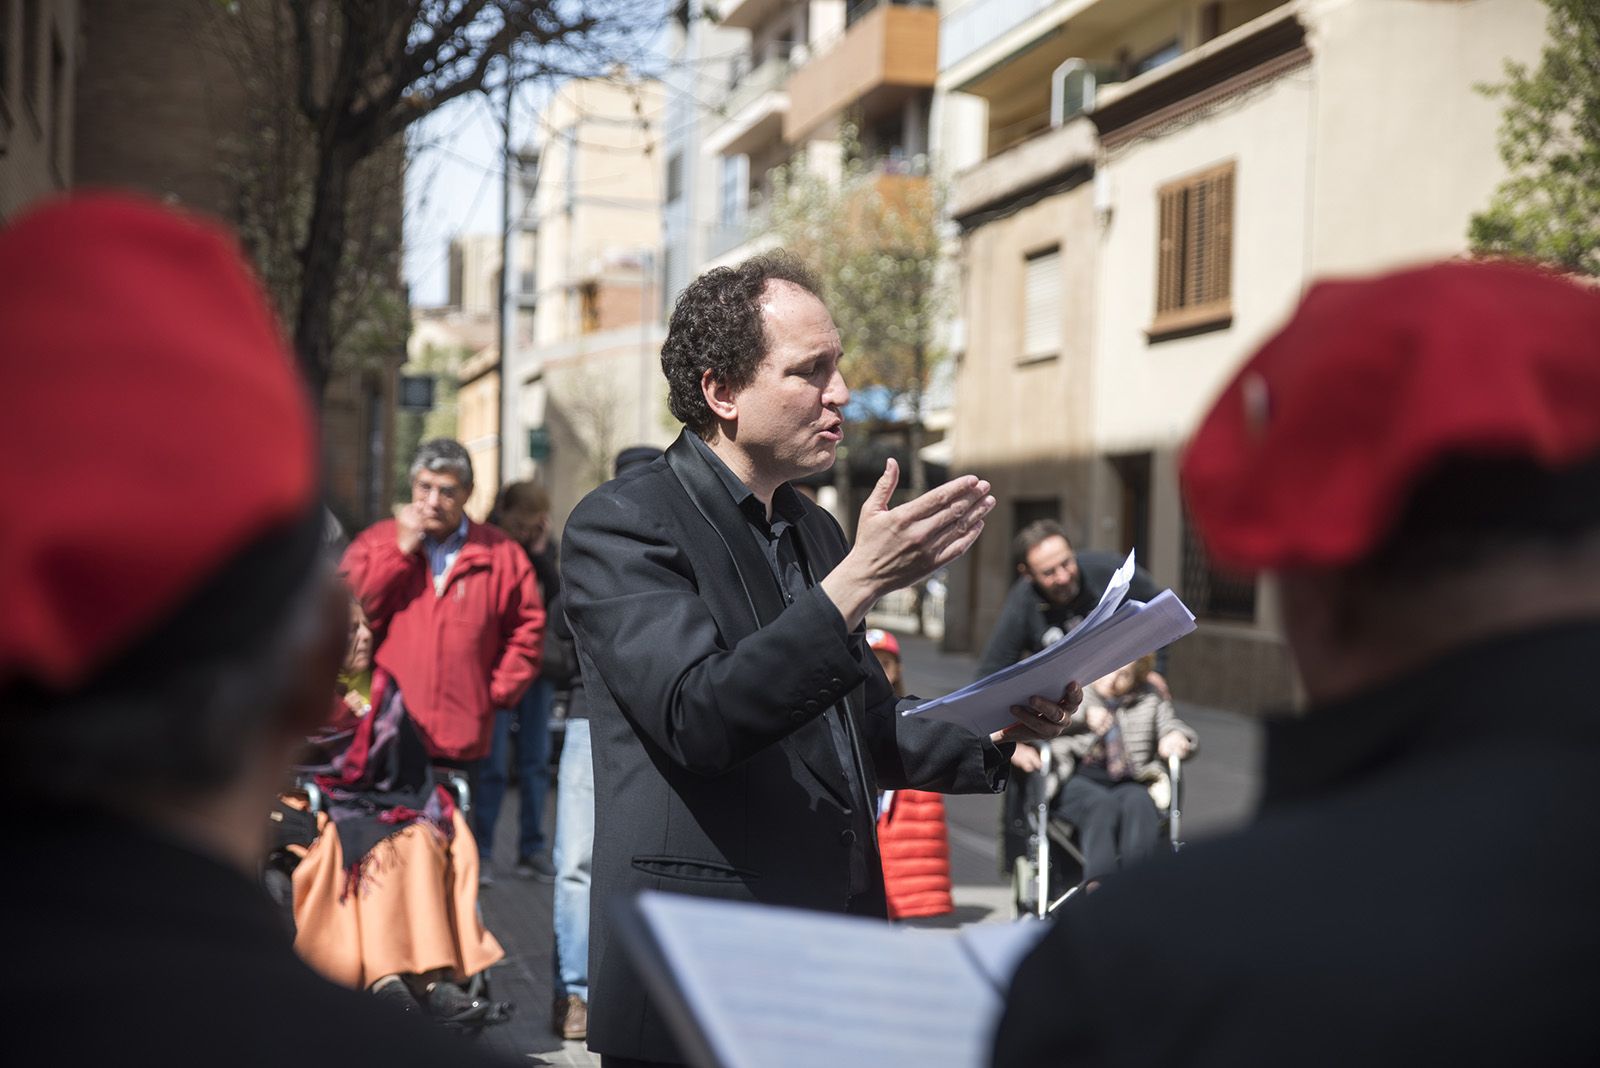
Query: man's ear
719, 398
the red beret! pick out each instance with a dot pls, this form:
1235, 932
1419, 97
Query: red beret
881, 641
162, 424
1311, 452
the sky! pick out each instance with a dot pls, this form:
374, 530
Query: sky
452, 188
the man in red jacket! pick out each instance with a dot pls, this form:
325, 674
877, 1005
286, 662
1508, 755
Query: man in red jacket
453, 605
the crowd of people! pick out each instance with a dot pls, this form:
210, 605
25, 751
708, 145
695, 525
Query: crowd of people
199, 692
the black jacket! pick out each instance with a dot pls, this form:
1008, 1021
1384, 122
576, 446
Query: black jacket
124, 947
1420, 888
1027, 617
714, 773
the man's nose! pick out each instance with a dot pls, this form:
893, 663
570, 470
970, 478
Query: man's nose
837, 395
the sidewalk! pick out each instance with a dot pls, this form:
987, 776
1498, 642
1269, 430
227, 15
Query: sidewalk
1219, 785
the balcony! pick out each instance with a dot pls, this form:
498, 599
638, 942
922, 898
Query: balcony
889, 53
991, 48
1057, 157
753, 111
748, 14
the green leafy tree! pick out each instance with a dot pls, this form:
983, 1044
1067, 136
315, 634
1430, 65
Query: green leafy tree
873, 239
1549, 208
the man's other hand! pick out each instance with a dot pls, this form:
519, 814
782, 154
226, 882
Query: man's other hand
1041, 717
1026, 759
1173, 744
897, 547
408, 528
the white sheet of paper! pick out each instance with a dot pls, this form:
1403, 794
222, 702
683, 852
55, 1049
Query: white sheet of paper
784, 988
1116, 632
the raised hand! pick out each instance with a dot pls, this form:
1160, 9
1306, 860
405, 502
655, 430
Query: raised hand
896, 547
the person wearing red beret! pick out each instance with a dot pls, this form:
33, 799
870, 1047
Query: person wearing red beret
1416, 459
171, 633
454, 607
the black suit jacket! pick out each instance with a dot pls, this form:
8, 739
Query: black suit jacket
715, 774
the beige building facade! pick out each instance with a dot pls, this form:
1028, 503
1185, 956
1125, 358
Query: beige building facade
586, 379
1223, 158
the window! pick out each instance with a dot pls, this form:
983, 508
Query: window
1213, 594
734, 185
1041, 305
1158, 58
1194, 253
674, 177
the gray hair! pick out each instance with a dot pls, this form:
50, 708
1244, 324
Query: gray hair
445, 456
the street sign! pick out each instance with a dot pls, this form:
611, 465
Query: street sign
416, 393
538, 444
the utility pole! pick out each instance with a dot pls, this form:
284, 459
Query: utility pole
508, 309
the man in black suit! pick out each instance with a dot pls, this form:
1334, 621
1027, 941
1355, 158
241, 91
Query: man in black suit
1417, 459
741, 728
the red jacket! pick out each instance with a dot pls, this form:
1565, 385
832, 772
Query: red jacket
916, 855
459, 655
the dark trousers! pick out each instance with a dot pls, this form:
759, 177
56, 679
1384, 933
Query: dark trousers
1113, 822
631, 1062
532, 716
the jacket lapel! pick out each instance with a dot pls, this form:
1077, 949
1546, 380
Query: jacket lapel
812, 743
711, 497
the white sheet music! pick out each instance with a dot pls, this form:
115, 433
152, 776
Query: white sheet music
1116, 632
774, 988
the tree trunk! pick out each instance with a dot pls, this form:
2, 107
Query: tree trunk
320, 258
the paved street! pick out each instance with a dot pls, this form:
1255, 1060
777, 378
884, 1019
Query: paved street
1219, 783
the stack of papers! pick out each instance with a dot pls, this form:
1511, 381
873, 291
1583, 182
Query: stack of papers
753, 986
1117, 632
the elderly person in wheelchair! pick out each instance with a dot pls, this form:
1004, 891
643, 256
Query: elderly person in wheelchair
1108, 777
383, 864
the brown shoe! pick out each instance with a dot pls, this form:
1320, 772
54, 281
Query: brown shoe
570, 1019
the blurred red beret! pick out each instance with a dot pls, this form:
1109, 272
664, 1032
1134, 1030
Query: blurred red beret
1310, 453
161, 421
881, 641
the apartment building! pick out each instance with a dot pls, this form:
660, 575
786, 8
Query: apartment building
703, 53
1164, 178
586, 380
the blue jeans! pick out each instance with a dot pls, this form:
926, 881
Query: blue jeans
574, 850
532, 716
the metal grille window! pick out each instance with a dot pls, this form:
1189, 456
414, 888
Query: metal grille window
1213, 594
1041, 304
1194, 252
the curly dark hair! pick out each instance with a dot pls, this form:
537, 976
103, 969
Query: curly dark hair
716, 326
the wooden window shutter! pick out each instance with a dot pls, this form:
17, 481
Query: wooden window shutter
1194, 254
1041, 304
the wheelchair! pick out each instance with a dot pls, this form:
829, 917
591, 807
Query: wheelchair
299, 827
1041, 854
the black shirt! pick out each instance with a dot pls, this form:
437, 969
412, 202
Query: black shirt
780, 544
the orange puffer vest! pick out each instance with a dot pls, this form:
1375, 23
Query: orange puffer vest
916, 855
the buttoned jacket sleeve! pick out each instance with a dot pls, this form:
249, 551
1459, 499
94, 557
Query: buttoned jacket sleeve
636, 611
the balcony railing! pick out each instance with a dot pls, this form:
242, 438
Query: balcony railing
974, 26
768, 77
858, 9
